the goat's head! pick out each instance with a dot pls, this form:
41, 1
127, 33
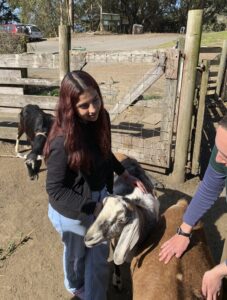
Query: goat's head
116, 213
33, 164
120, 219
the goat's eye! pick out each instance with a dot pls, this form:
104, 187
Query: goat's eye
122, 220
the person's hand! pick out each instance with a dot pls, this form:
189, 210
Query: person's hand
212, 282
134, 181
175, 246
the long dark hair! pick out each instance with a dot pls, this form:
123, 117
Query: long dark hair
67, 122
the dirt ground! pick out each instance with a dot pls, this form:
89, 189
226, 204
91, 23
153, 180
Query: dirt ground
30, 258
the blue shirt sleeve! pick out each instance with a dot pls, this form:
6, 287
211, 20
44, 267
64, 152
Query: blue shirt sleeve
205, 196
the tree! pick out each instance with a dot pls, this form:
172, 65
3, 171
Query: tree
44, 14
154, 15
150, 13
6, 13
211, 9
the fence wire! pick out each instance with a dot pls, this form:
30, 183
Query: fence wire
143, 127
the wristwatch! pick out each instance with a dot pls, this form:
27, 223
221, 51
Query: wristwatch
181, 232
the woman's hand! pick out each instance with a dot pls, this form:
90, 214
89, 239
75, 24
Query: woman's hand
212, 281
134, 181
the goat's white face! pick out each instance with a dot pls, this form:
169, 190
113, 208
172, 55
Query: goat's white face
110, 222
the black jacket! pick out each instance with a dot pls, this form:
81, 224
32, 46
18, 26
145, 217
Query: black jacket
69, 191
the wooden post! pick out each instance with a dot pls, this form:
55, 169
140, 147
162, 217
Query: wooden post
224, 90
221, 70
61, 12
101, 27
70, 13
64, 45
191, 54
200, 118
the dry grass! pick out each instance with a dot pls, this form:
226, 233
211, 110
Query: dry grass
12, 43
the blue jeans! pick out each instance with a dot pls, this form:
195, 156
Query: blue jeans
83, 266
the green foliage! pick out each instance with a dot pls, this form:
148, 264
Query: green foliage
44, 14
151, 97
154, 15
6, 13
213, 38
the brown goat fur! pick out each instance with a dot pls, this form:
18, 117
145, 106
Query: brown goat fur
180, 279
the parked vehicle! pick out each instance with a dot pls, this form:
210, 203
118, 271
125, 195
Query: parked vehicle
34, 32
30, 30
11, 28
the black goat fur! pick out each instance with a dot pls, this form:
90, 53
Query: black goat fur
36, 124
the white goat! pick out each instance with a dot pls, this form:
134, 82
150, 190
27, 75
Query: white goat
128, 218
120, 219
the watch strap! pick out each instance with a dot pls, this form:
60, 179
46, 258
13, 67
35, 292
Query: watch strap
181, 232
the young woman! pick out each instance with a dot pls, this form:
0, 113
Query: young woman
80, 168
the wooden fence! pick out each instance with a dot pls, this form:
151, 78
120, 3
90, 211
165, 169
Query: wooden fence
153, 146
139, 140
210, 90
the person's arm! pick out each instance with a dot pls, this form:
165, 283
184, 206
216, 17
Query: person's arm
56, 186
207, 193
212, 281
117, 166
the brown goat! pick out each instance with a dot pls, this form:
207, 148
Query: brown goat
180, 279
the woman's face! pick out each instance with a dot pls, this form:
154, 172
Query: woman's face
89, 105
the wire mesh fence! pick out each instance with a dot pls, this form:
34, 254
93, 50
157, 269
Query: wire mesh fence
141, 113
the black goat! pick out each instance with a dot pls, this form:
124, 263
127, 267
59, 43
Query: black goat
36, 124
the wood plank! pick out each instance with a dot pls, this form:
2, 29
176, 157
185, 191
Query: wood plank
199, 123
145, 82
19, 101
210, 50
216, 61
171, 70
222, 68
77, 58
29, 81
151, 168
38, 60
9, 133
30, 60
9, 90
122, 56
12, 73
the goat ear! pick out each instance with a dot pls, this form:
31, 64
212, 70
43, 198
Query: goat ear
128, 238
